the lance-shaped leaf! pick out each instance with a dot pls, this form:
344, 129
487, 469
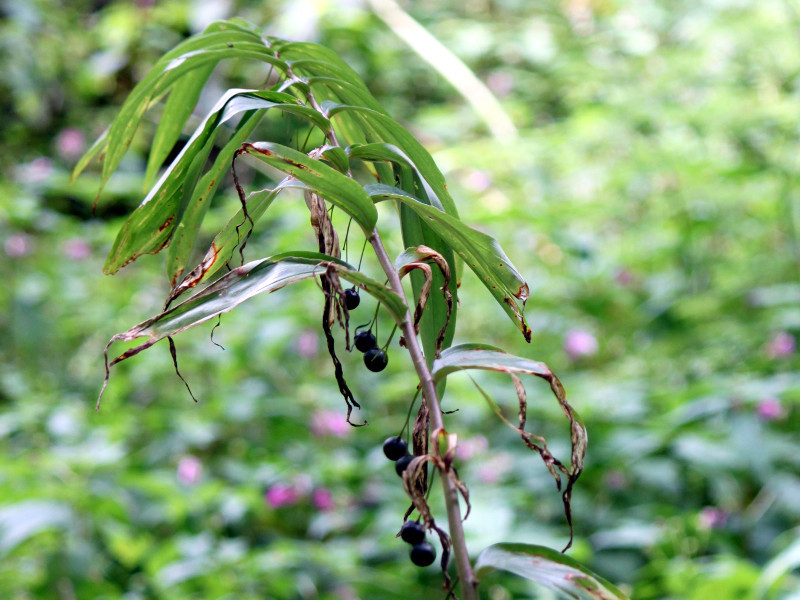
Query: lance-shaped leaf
149, 228
177, 110
186, 231
329, 183
437, 327
482, 356
220, 41
243, 283
559, 573
481, 252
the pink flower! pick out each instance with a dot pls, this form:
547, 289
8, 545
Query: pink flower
769, 409
306, 344
468, 448
478, 181
500, 82
623, 277
322, 499
77, 249
329, 422
70, 143
712, 517
781, 345
494, 469
190, 470
578, 343
280, 495
35, 171
18, 245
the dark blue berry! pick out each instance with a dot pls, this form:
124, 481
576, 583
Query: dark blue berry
412, 533
351, 299
402, 464
375, 359
365, 340
395, 448
423, 554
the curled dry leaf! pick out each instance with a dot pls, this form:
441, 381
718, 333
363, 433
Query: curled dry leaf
479, 356
332, 289
416, 258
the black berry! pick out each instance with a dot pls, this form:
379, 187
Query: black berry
402, 464
423, 554
412, 532
351, 299
365, 341
395, 448
375, 359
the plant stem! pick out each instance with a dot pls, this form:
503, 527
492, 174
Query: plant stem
469, 584
463, 566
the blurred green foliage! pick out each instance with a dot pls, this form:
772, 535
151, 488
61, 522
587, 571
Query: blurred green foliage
650, 200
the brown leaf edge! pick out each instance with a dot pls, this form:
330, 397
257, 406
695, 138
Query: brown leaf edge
538, 443
426, 253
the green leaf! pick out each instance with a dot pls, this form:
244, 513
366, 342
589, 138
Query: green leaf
149, 228
186, 231
243, 283
484, 356
221, 40
329, 183
177, 110
481, 252
555, 571
415, 231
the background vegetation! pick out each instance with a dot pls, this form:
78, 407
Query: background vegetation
650, 198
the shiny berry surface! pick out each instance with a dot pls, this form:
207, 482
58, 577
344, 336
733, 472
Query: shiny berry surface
402, 464
376, 359
395, 448
365, 340
423, 554
351, 299
412, 533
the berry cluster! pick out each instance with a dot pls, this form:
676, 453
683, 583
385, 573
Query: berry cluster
412, 532
375, 358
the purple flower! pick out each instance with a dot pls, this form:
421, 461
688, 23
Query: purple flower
329, 422
190, 470
623, 277
781, 345
280, 495
769, 409
500, 82
578, 343
322, 499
